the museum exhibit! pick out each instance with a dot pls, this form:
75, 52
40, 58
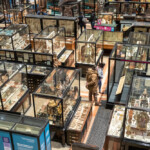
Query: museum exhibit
74, 74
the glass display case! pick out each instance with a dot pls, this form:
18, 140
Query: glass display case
8, 70
110, 38
136, 128
15, 94
53, 8
72, 8
40, 22
89, 48
20, 132
17, 12
89, 6
139, 93
15, 37
141, 38
50, 40
125, 61
57, 97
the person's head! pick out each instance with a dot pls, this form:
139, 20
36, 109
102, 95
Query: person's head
89, 70
94, 68
101, 65
81, 13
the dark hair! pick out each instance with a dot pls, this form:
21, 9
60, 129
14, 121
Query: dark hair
93, 67
101, 65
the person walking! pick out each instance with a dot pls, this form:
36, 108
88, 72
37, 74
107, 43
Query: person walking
82, 22
92, 84
100, 75
92, 20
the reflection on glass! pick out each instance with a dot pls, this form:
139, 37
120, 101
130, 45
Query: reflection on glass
27, 129
5, 125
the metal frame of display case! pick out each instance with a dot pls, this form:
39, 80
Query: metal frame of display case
137, 27
58, 31
33, 58
116, 65
85, 66
55, 22
72, 5
14, 136
7, 33
60, 128
23, 98
131, 38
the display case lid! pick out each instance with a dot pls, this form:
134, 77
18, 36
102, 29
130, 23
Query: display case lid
5, 125
90, 36
41, 123
27, 129
51, 17
141, 24
49, 33
58, 79
9, 117
12, 29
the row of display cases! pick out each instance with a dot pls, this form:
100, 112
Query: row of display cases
15, 12
39, 22
14, 37
125, 61
130, 7
128, 128
22, 132
64, 8
15, 45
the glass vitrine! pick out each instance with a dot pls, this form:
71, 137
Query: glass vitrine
40, 22
139, 93
53, 8
7, 70
15, 37
125, 61
57, 96
50, 40
140, 38
17, 12
15, 94
89, 47
137, 126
